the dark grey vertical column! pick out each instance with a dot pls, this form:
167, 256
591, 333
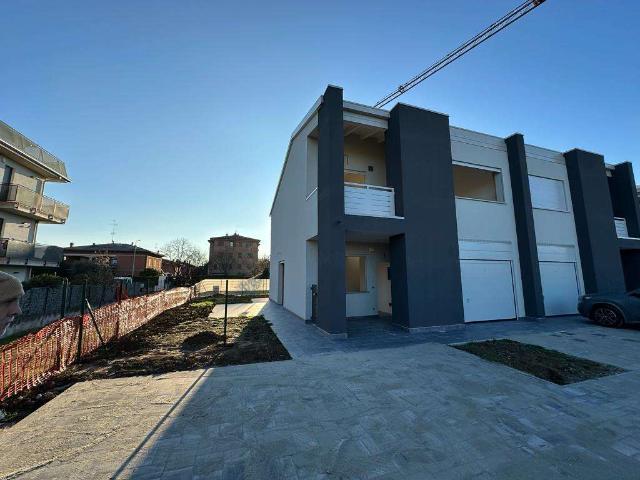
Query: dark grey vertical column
331, 231
525, 227
624, 197
593, 212
425, 266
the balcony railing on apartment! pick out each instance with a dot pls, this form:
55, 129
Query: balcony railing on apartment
17, 140
30, 203
18, 252
369, 200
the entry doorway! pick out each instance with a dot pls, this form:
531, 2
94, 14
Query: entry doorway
384, 288
281, 283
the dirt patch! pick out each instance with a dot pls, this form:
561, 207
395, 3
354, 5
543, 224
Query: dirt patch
182, 338
550, 365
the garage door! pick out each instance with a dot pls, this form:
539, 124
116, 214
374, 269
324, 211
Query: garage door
559, 287
487, 290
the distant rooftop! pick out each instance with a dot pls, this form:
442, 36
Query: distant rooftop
110, 248
10, 137
235, 236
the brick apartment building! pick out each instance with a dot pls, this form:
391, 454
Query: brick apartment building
232, 255
121, 257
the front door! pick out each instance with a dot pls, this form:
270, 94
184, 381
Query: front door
384, 288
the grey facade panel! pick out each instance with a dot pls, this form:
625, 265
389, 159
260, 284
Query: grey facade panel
624, 197
593, 211
331, 225
425, 265
525, 227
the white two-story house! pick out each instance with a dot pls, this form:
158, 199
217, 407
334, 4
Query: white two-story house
25, 167
397, 213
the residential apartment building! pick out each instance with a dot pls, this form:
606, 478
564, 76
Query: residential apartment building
125, 259
25, 167
398, 213
232, 255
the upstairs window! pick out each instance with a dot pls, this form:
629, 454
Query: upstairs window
477, 183
547, 193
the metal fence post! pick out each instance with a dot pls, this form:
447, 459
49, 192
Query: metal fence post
81, 329
226, 301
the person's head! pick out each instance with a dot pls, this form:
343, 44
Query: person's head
10, 294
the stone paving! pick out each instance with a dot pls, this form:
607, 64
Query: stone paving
239, 309
422, 410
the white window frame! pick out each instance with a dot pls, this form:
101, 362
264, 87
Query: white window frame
499, 182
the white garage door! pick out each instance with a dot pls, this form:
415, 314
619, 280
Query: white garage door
487, 290
559, 287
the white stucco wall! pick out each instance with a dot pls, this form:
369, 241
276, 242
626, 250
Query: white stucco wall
554, 228
21, 273
487, 230
294, 220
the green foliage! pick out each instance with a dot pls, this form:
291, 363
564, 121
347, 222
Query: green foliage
149, 273
79, 271
44, 280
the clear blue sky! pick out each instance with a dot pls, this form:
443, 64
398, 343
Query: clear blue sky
173, 118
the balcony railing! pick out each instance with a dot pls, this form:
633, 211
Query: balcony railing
17, 140
33, 204
18, 252
621, 227
369, 200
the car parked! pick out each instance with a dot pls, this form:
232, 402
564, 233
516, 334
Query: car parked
611, 309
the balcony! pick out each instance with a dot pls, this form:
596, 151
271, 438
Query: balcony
17, 252
19, 144
28, 203
369, 200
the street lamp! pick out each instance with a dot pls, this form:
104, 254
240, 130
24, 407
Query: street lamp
133, 264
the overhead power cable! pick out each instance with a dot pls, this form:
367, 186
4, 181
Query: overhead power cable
500, 24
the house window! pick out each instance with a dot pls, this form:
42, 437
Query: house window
547, 193
477, 183
231, 244
355, 274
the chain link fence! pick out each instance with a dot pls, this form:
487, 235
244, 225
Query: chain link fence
33, 358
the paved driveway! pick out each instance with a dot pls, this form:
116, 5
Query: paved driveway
417, 411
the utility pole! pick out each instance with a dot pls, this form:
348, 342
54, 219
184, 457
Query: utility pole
133, 264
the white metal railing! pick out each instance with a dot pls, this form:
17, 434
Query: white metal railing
370, 200
621, 227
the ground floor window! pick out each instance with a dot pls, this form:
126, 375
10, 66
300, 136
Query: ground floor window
355, 273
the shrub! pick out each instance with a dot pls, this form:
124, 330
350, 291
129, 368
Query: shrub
42, 281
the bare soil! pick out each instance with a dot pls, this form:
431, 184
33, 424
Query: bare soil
182, 338
551, 365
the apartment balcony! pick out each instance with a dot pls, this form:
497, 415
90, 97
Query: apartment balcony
17, 252
27, 152
369, 200
28, 203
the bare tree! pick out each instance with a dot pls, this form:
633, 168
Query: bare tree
223, 261
261, 268
186, 256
